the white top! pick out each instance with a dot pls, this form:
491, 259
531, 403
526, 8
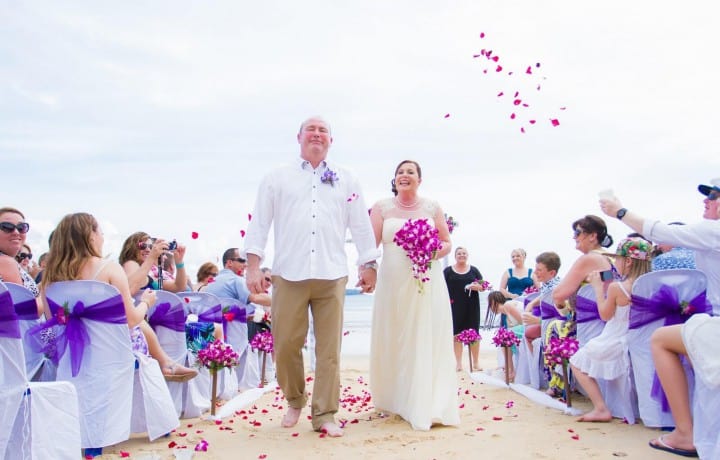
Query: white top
703, 238
310, 220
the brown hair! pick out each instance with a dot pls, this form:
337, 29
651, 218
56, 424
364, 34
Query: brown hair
495, 299
392, 182
550, 259
205, 271
71, 248
12, 210
594, 225
637, 267
131, 247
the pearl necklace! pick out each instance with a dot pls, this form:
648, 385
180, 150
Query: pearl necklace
397, 200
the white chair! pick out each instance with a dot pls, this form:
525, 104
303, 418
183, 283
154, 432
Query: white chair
657, 299
619, 393
41, 418
706, 423
38, 366
530, 365
236, 334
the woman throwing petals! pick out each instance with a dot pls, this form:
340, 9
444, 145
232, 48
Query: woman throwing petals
411, 353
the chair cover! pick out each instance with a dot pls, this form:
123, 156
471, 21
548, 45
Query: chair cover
167, 318
41, 418
153, 408
236, 334
688, 285
37, 365
101, 368
706, 423
530, 365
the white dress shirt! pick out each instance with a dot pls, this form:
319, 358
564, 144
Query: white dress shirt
310, 220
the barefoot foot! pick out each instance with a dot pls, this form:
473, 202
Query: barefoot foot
331, 429
596, 415
291, 417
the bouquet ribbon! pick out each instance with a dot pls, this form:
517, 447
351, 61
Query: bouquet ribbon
586, 310
665, 303
73, 333
9, 326
162, 316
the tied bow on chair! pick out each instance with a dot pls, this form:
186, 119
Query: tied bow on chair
71, 330
665, 303
232, 313
162, 316
8, 318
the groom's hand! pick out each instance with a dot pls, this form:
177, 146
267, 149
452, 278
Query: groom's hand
367, 277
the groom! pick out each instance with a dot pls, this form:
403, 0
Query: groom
311, 202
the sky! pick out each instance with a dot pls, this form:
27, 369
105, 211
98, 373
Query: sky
164, 116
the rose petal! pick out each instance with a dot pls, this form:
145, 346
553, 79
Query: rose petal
124, 454
249, 216
447, 115
194, 235
482, 34
554, 122
242, 233
496, 418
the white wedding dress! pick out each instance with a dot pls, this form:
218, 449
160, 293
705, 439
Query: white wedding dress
412, 365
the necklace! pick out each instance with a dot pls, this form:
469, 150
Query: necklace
397, 200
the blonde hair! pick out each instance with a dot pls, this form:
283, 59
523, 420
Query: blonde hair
637, 267
70, 249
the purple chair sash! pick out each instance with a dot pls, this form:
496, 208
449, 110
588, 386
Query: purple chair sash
27, 310
174, 320
234, 312
211, 315
9, 326
665, 303
536, 311
72, 331
548, 311
586, 310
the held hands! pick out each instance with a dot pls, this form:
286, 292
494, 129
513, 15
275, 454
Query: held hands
254, 280
367, 277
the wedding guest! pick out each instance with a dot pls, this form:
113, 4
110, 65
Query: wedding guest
702, 237
311, 204
42, 262
412, 323
606, 355
464, 283
547, 265
139, 257
590, 235
669, 257
205, 275
515, 280
24, 258
13, 231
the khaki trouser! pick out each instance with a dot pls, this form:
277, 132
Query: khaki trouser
290, 300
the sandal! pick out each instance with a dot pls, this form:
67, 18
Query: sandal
178, 373
660, 444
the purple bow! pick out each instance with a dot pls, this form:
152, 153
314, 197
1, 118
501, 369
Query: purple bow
586, 310
71, 328
548, 311
9, 326
211, 315
234, 312
27, 310
162, 316
665, 303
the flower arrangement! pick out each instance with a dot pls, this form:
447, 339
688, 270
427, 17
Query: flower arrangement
559, 351
686, 308
530, 290
505, 338
484, 285
421, 243
217, 355
329, 177
63, 314
263, 341
468, 337
451, 223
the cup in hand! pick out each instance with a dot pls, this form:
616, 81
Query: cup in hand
606, 194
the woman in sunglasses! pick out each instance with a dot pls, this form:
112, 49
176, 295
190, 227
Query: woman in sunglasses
139, 257
13, 231
206, 274
24, 258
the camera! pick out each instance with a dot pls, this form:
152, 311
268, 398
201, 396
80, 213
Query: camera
172, 245
606, 275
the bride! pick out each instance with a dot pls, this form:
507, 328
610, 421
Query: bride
412, 365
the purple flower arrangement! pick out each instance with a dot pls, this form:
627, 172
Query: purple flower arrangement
451, 223
530, 290
505, 338
263, 341
559, 351
329, 177
421, 243
468, 337
217, 355
484, 285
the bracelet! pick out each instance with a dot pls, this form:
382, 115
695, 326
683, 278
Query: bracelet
180, 265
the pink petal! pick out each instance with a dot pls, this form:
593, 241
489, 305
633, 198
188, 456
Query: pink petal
498, 68
249, 216
575, 437
516, 93
512, 116
496, 418
522, 130
500, 94
124, 454
517, 101
532, 122
295, 435
482, 34
496, 58
528, 70
555, 122
447, 115
194, 235
242, 233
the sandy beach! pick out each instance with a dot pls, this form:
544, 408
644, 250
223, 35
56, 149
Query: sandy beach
496, 422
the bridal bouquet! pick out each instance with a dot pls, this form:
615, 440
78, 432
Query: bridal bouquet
451, 223
420, 241
531, 290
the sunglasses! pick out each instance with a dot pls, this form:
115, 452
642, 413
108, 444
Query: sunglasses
144, 246
712, 196
212, 274
25, 255
577, 232
9, 227
238, 259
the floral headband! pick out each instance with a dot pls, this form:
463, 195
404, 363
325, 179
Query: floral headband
634, 248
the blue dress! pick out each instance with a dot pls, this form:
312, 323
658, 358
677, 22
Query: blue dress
518, 285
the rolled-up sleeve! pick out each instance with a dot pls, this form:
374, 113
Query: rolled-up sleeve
699, 236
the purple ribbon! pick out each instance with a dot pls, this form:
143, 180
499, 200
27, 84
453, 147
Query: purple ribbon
211, 315
9, 326
586, 310
536, 311
665, 303
27, 310
238, 314
548, 311
162, 316
72, 331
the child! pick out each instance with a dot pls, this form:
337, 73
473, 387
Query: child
547, 265
606, 356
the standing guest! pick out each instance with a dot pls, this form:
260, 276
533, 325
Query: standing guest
701, 237
515, 280
311, 202
13, 231
411, 355
591, 236
205, 275
669, 257
606, 355
463, 286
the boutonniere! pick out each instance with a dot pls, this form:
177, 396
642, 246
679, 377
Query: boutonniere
329, 177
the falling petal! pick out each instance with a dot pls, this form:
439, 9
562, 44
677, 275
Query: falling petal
500, 94
563, 108
532, 122
485, 71
194, 235
477, 55
447, 115
242, 233
517, 101
346, 333
538, 87
516, 93
537, 64
528, 70
482, 34
555, 122
512, 116
522, 130
498, 68
496, 58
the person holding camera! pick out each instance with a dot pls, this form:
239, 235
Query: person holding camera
141, 257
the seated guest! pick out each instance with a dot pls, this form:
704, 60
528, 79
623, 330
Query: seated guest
13, 231
547, 265
139, 257
205, 275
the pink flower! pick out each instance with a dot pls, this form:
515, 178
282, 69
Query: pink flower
505, 338
559, 351
262, 341
468, 337
421, 243
218, 355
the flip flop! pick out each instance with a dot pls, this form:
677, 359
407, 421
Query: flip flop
171, 373
660, 444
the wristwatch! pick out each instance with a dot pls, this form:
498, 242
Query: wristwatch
621, 213
373, 265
